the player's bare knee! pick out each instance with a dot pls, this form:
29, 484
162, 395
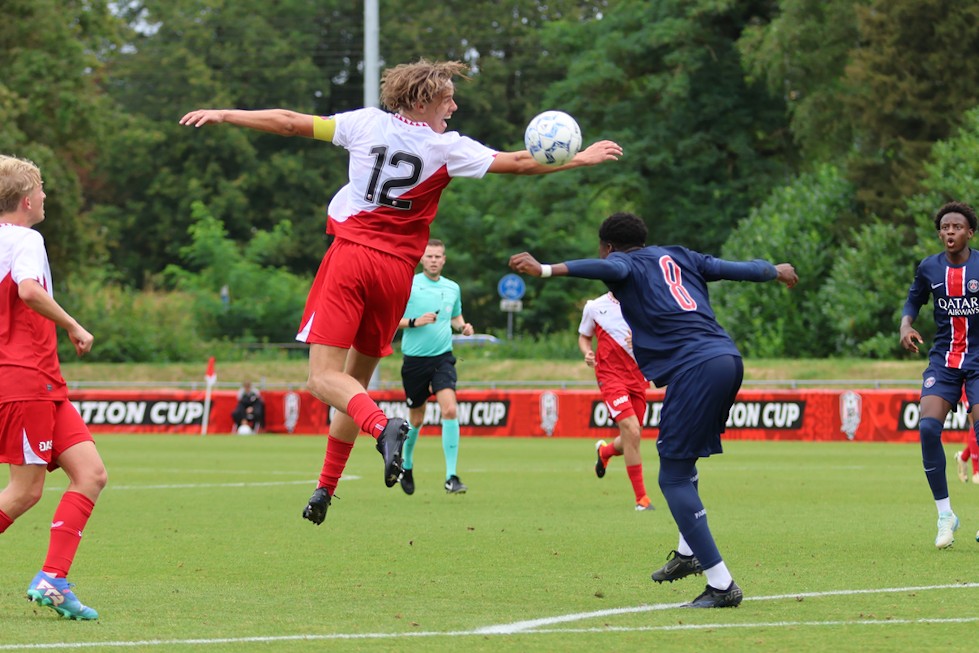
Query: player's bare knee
89, 481
99, 479
631, 434
314, 386
21, 498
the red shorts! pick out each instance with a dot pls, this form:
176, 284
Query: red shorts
624, 402
38, 432
357, 299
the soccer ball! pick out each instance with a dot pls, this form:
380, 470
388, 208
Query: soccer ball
244, 429
552, 138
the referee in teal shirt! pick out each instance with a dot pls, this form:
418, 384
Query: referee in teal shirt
433, 310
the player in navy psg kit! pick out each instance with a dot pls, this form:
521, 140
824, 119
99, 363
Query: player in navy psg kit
677, 342
399, 164
951, 278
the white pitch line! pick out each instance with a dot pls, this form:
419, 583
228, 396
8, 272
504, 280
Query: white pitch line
195, 486
761, 624
522, 627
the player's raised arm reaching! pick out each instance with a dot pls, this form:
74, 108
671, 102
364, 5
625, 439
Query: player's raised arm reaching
676, 341
400, 162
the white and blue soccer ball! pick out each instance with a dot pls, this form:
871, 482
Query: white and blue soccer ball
553, 138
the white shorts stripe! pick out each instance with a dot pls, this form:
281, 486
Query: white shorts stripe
31, 458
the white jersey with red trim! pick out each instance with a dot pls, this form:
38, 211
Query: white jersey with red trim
397, 171
29, 367
602, 317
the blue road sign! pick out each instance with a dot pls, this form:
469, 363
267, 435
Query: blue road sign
511, 286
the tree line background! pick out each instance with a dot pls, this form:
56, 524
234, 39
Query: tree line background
820, 132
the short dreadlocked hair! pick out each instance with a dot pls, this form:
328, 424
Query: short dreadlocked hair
956, 207
623, 230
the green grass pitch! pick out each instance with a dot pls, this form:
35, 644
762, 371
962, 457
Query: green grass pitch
198, 545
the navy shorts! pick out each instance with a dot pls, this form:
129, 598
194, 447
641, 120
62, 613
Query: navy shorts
947, 382
423, 376
696, 408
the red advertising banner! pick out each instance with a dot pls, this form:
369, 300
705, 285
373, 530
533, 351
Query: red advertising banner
860, 415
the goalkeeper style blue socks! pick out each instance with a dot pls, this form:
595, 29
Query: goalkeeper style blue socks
450, 445
407, 452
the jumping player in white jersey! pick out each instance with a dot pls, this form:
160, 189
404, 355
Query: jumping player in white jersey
622, 385
399, 164
40, 430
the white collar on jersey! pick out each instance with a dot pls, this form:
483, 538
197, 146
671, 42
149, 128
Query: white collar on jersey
409, 121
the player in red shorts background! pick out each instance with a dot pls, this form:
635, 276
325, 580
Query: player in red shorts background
622, 385
400, 162
39, 428
971, 449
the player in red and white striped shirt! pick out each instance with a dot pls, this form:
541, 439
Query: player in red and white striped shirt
40, 430
399, 164
622, 385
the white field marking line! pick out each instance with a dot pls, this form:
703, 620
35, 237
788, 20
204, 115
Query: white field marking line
760, 624
470, 633
512, 629
196, 486
529, 625
259, 472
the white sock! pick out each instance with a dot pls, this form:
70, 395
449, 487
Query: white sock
944, 505
683, 548
718, 576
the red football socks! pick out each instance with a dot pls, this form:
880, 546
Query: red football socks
69, 521
362, 409
337, 453
5, 521
635, 477
608, 450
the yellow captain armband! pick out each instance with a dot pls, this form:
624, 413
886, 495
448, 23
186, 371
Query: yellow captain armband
324, 128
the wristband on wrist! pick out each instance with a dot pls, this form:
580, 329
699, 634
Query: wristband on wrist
545, 271
411, 323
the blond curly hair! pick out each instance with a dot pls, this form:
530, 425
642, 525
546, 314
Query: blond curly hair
422, 82
18, 177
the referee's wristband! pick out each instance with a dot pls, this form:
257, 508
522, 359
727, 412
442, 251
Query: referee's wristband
411, 323
545, 271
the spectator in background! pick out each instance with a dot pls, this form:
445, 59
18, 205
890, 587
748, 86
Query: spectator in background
249, 413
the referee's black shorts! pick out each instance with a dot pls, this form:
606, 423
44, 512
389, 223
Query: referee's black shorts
423, 376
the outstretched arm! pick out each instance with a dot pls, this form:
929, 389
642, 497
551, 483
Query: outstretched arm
276, 121
587, 268
756, 270
521, 163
